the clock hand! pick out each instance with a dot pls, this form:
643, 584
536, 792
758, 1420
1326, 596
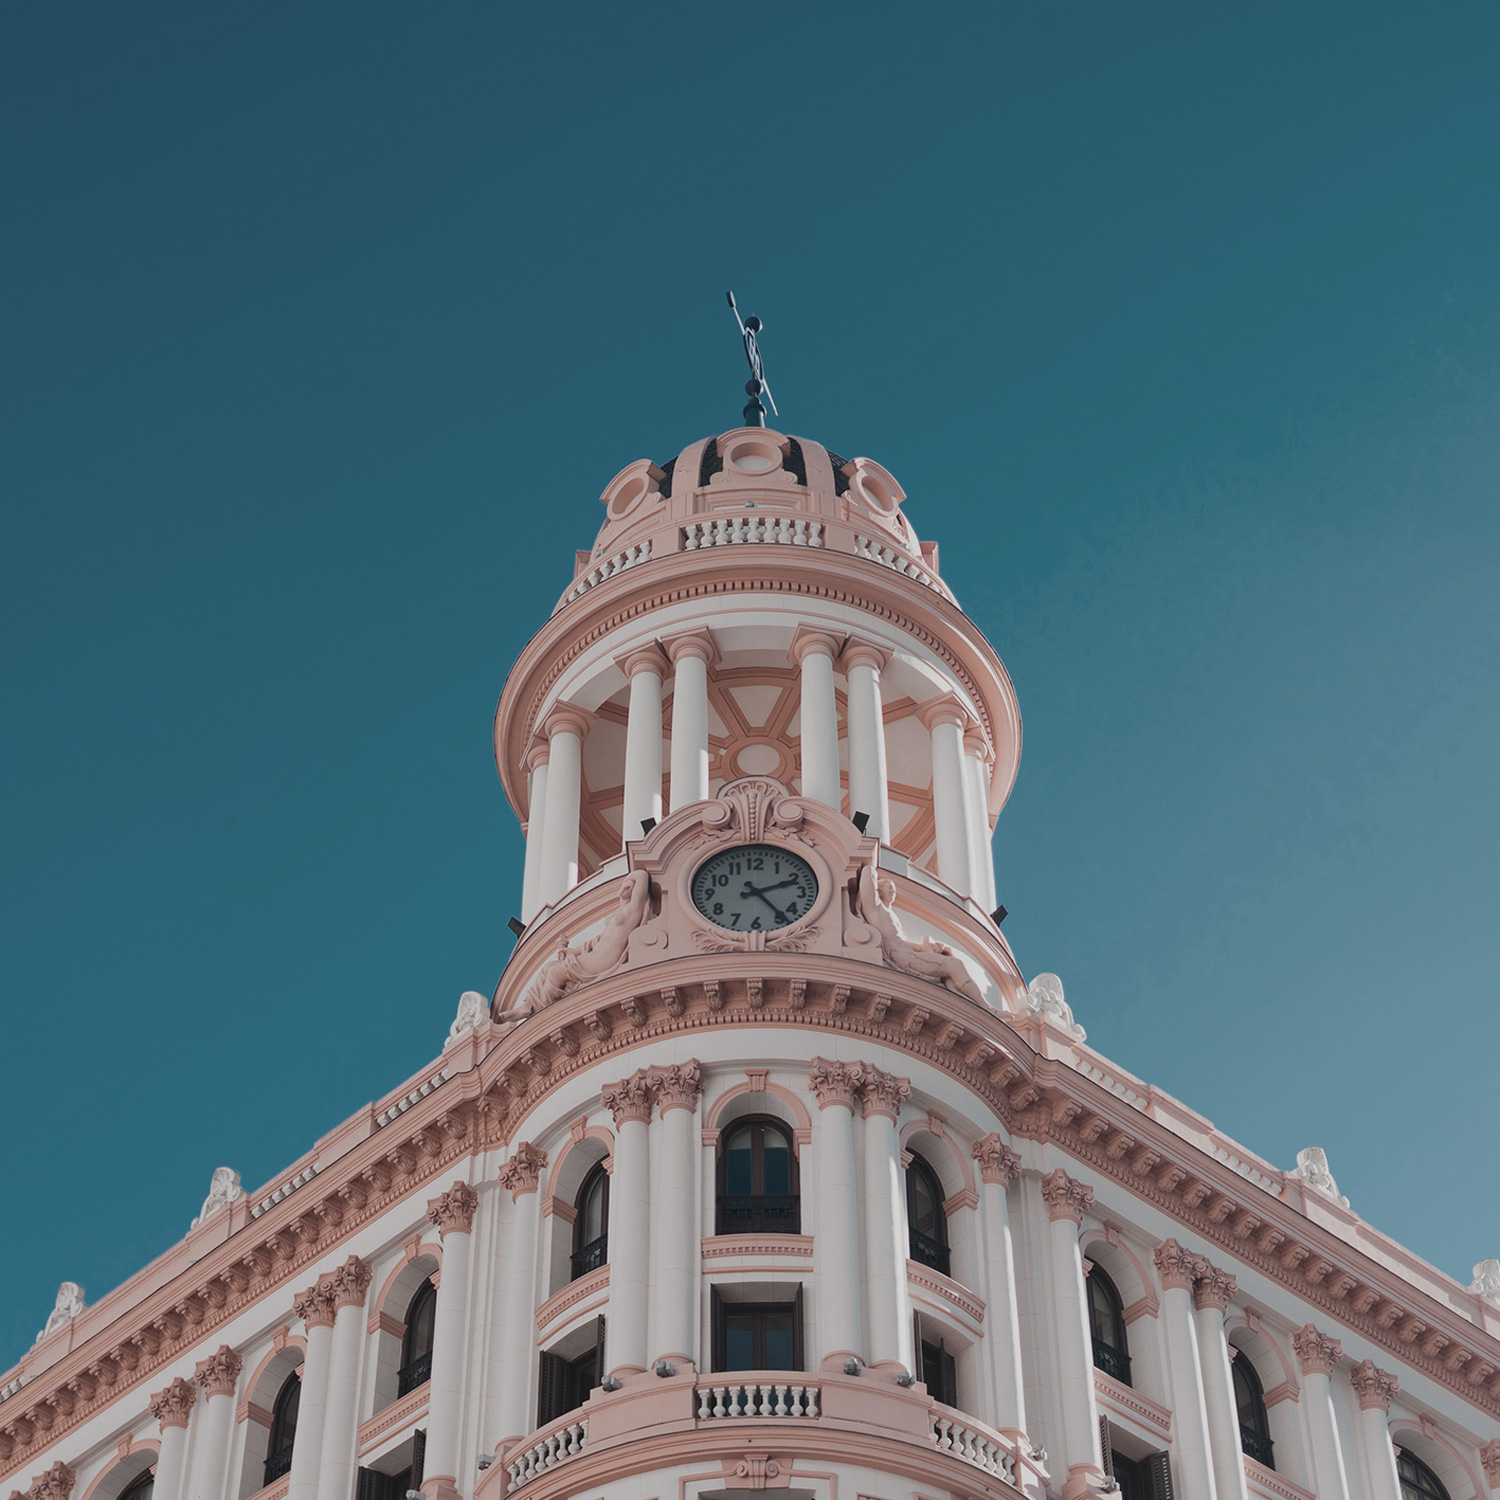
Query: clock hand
779, 884
751, 890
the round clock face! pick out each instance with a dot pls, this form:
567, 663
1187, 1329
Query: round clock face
755, 888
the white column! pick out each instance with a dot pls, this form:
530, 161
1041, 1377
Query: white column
691, 655
1318, 1354
1081, 1461
172, 1408
565, 729
217, 1375
315, 1308
629, 1224
977, 808
1192, 1454
818, 734
945, 719
453, 1213
868, 784
999, 1166
1212, 1289
644, 668
341, 1418
1375, 1387
836, 1244
536, 803
887, 1301
676, 1241
517, 1343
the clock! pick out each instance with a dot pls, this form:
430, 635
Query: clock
754, 888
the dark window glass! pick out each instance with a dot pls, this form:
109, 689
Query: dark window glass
1249, 1398
757, 1335
416, 1343
591, 1227
283, 1428
1147, 1479
758, 1180
926, 1221
564, 1384
1418, 1482
1107, 1325
939, 1373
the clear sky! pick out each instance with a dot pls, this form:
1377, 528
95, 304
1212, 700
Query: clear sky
325, 325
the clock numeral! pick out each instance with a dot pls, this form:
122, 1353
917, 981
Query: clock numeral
718, 908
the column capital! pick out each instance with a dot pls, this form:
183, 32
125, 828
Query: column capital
350, 1282
1316, 1352
523, 1171
859, 652
976, 743
56, 1484
835, 1082
630, 1099
676, 1087
884, 1093
218, 1373
1178, 1266
944, 710
1065, 1198
647, 657
1489, 1456
1373, 1386
173, 1406
1213, 1287
537, 753
807, 640
699, 643
315, 1305
453, 1211
997, 1162
566, 718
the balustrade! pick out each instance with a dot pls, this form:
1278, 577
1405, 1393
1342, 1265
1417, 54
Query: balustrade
553, 1448
752, 1399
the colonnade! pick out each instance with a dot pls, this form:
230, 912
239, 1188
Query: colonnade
960, 758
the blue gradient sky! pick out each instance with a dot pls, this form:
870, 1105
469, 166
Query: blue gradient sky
326, 325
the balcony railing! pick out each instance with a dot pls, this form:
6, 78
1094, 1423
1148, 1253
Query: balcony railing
591, 1256
757, 1400
1257, 1446
963, 1437
759, 1213
277, 1464
418, 1372
555, 1447
1112, 1362
929, 1252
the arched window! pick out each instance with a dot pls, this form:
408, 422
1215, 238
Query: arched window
139, 1488
925, 1217
591, 1227
416, 1343
1418, 1482
283, 1427
1107, 1325
1250, 1399
758, 1180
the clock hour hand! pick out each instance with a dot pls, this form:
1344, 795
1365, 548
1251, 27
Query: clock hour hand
752, 890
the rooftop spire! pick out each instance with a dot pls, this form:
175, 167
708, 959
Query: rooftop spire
755, 413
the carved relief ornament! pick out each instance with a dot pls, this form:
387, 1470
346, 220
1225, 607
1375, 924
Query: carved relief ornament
1489, 1456
997, 1162
523, 1171
453, 1211
315, 1306
350, 1283
1213, 1287
1065, 1198
1179, 1267
218, 1373
677, 1087
884, 1094
1373, 1386
56, 1484
835, 1082
630, 1099
1316, 1352
173, 1406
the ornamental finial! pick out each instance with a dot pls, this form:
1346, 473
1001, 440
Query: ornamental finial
755, 413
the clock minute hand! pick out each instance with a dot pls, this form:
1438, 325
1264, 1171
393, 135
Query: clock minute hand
751, 890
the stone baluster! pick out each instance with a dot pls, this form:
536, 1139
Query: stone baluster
217, 1375
836, 1245
315, 1308
1066, 1201
172, 1408
1318, 1354
676, 1240
644, 667
520, 1176
945, 721
1212, 1289
977, 805
340, 1418
999, 1166
1192, 1457
1375, 1387
564, 729
453, 1213
868, 782
630, 1102
887, 1301
536, 808
692, 653
818, 736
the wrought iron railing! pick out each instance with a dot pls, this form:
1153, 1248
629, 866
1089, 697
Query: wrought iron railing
1114, 1364
1257, 1446
759, 1213
929, 1252
418, 1372
277, 1464
591, 1256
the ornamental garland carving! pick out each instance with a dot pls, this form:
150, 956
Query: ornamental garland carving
453, 1211
1065, 1198
997, 1162
1373, 1386
173, 1406
1316, 1352
218, 1373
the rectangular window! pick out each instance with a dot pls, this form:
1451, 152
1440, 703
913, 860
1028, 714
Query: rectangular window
939, 1373
564, 1384
757, 1335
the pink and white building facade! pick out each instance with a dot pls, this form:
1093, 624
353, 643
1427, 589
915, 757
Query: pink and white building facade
765, 1170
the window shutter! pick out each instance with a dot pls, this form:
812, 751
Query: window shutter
1104, 1448
719, 1351
949, 1396
418, 1458
1158, 1472
600, 1368
369, 1486
552, 1373
799, 1356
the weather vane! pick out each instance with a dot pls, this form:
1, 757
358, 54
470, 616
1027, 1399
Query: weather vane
755, 413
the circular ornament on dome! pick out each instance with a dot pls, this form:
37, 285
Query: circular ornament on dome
753, 455
754, 888
757, 760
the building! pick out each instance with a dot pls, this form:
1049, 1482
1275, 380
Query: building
765, 1172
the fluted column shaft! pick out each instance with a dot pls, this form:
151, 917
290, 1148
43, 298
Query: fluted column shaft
677, 1240
1318, 1355
536, 805
950, 806
1192, 1459
868, 782
217, 1375
315, 1308
453, 1213
629, 1224
644, 668
836, 1246
1375, 1387
818, 735
340, 1419
977, 808
565, 729
690, 656
520, 1176
887, 1301
1212, 1289
999, 1166
172, 1408
1082, 1462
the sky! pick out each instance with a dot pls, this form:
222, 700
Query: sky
326, 324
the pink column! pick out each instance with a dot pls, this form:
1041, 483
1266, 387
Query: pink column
1192, 1454
172, 1408
1375, 1387
677, 1240
217, 1375
999, 1166
1212, 1289
536, 803
887, 1301
520, 1175
630, 1102
644, 668
863, 662
818, 727
977, 762
945, 720
453, 1213
340, 1420
836, 1240
1318, 1354
691, 655
564, 729
315, 1308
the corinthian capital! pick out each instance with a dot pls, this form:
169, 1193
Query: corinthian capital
1179, 1267
677, 1087
56, 1484
1489, 1456
997, 1162
1373, 1386
315, 1306
1065, 1198
1316, 1352
523, 1171
884, 1093
217, 1374
630, 1098
1213, 1287
835, 1082
173, 1406
350, 1283
453, 1211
